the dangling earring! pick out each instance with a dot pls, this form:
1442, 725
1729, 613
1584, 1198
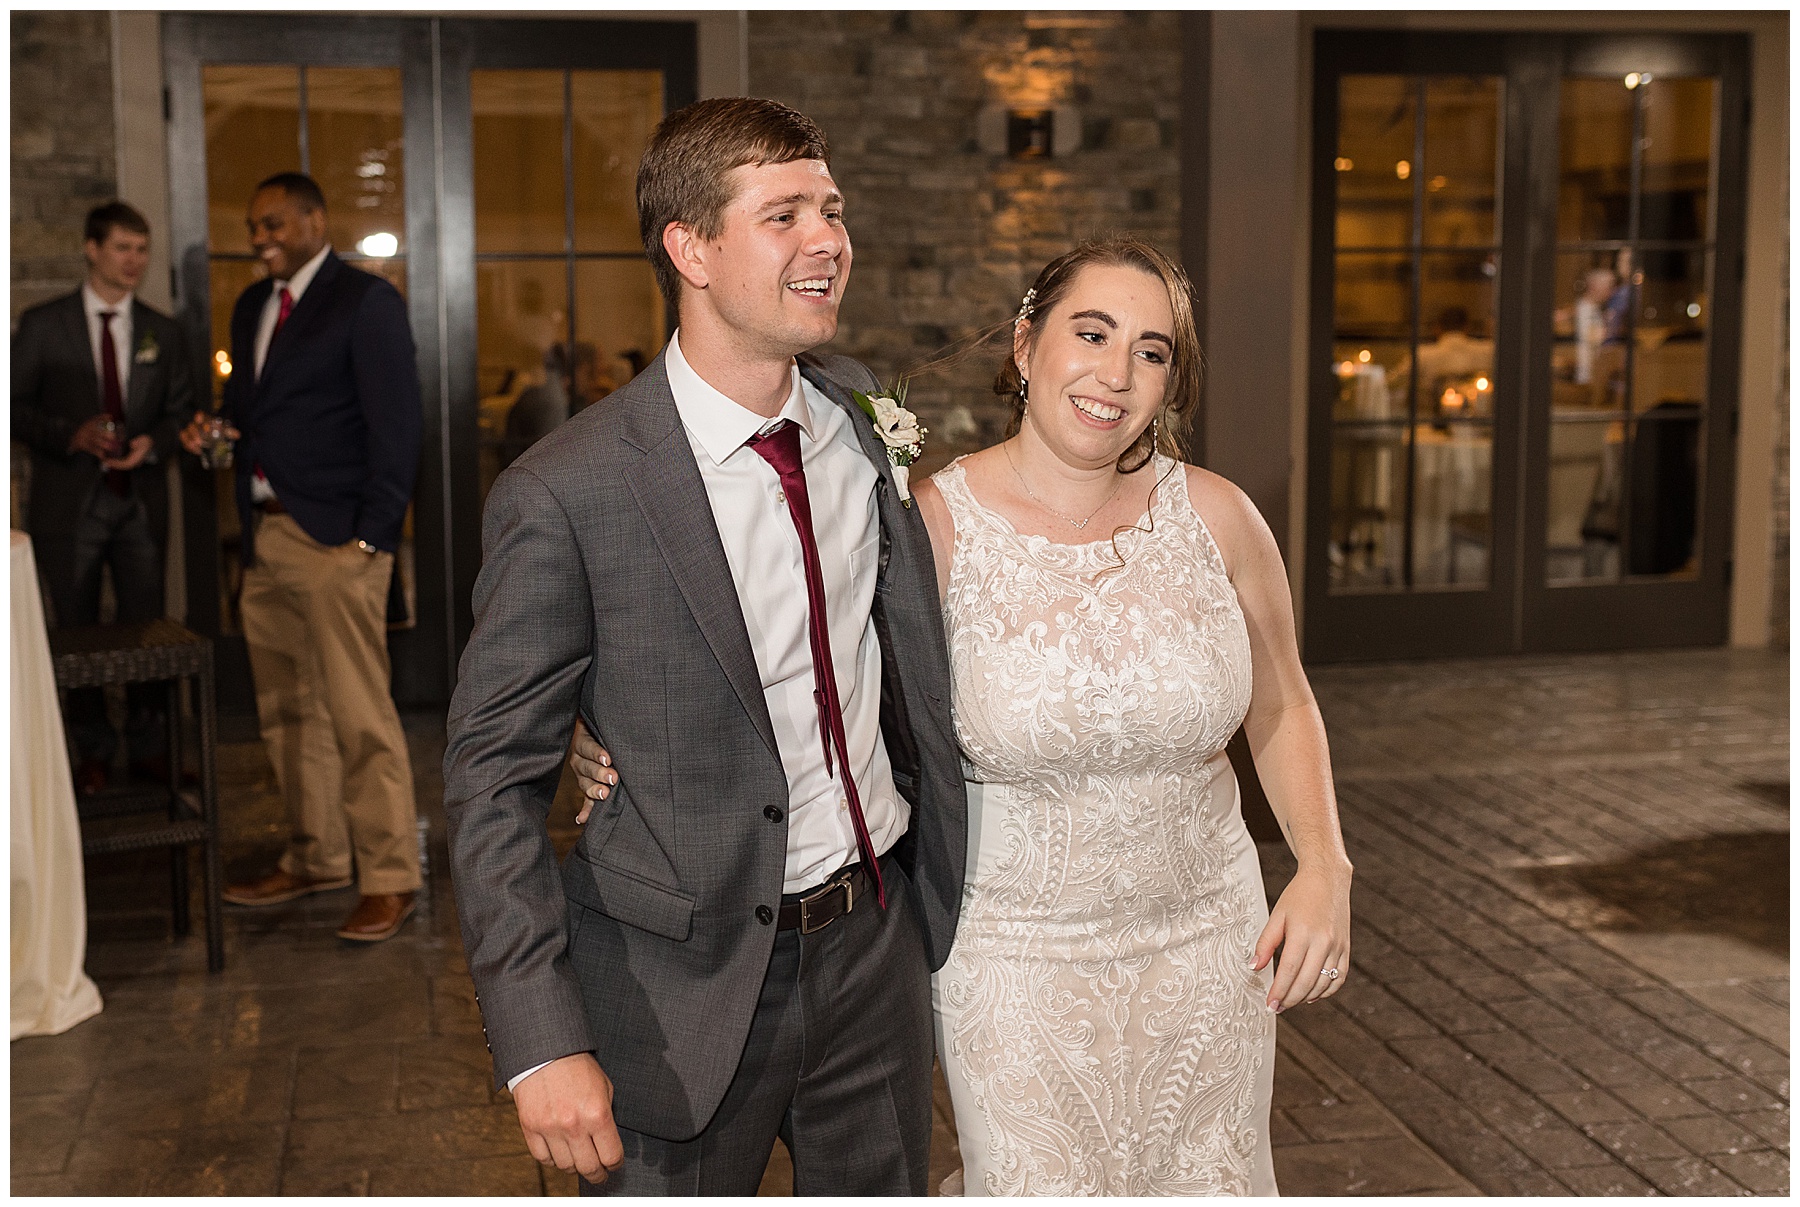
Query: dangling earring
1156, 419
1024, 395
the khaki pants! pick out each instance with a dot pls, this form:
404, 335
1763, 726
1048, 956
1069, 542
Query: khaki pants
315, 619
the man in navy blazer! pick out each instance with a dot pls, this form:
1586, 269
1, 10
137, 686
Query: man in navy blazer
324, 402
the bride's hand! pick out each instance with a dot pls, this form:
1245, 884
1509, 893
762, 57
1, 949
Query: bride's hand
593, 769
1311, 925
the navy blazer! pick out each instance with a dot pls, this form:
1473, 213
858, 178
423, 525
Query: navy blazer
334, 419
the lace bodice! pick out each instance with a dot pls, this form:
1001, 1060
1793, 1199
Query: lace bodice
1068, 665
1100, 1029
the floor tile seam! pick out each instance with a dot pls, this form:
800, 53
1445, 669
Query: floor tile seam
1596, 789
1577, 939
1504, 788
1309, 1055
1525, 765
1401, 1111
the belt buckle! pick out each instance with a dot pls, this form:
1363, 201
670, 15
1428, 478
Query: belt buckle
806, 926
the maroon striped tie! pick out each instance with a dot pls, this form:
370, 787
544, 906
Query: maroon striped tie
781, 449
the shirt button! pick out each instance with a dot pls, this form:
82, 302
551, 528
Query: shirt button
773, 813
844, 803
764, 914
781, 497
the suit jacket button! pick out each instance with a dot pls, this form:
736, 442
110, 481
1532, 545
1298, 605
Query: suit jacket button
764, 914
774, 813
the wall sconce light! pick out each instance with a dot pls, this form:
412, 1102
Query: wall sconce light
1029, 133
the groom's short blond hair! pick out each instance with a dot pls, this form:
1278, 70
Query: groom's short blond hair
683, 175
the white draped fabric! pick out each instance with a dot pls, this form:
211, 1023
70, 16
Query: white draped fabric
50, 992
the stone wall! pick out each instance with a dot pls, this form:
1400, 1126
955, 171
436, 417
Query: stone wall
948, 237
63, 158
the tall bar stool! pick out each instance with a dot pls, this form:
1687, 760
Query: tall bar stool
116, 821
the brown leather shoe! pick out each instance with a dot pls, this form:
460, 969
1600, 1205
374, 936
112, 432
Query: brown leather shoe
278, 886
91, 776
377, 916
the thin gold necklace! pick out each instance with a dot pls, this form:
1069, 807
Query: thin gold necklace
1073, 523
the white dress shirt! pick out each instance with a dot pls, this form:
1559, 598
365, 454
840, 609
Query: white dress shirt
763, 550
121, 333
260, 490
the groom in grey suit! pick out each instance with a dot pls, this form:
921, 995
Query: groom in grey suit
713, 568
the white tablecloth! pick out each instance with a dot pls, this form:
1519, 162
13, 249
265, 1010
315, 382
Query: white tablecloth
50, 992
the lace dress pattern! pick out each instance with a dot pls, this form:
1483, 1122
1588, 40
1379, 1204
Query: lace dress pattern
1099, 1026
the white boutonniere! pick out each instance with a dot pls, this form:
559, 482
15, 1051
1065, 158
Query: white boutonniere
900, 430
148, 349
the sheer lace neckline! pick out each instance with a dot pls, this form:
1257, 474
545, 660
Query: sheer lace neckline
957, 478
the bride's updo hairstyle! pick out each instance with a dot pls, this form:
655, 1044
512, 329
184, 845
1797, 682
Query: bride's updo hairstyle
1052, 287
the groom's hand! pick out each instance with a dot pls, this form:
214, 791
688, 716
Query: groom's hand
565, 1111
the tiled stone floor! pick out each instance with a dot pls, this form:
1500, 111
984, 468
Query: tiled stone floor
1570, 972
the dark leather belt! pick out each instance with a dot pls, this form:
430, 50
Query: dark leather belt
817, 908
271, 507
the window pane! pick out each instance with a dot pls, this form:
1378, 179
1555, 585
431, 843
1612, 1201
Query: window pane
522, 313
354, 137
614, 113
1678, 138
1456, 338
1588, 356
1374, 165
518, 120
1368, 485
252, 132
619, 313
1581, 538
1372, 341
1594, 201
1452, 487
1462, 150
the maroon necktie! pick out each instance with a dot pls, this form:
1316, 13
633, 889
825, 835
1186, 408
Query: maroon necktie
281, 317
781, 449
112, 398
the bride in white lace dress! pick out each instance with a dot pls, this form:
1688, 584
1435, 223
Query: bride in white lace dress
1107, 1015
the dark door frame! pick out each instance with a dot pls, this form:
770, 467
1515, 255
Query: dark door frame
1517, 612
434, 56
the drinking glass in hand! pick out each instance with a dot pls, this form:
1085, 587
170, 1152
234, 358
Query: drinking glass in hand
215, 453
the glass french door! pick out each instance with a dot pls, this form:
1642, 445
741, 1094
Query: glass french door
1523, 350
485, 167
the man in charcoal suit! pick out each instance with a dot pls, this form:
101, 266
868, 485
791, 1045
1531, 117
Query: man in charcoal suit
100, 386
713, 567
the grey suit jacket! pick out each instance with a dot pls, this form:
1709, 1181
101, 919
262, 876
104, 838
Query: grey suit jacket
605, 589
55, 389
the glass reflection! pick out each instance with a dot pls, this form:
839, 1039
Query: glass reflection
1462, 147
1677, 159
519, 195
522, 326
1629, 362
252, 132
1368, 466
1594, 198
1451, 488
1455, 365
1376, 120
612, 115
354, 132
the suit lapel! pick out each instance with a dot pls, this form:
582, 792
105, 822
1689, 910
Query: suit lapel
76, 324
311, 303
872, 447
137, 383
672, 497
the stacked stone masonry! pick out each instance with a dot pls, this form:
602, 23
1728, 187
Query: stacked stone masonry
947, 238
